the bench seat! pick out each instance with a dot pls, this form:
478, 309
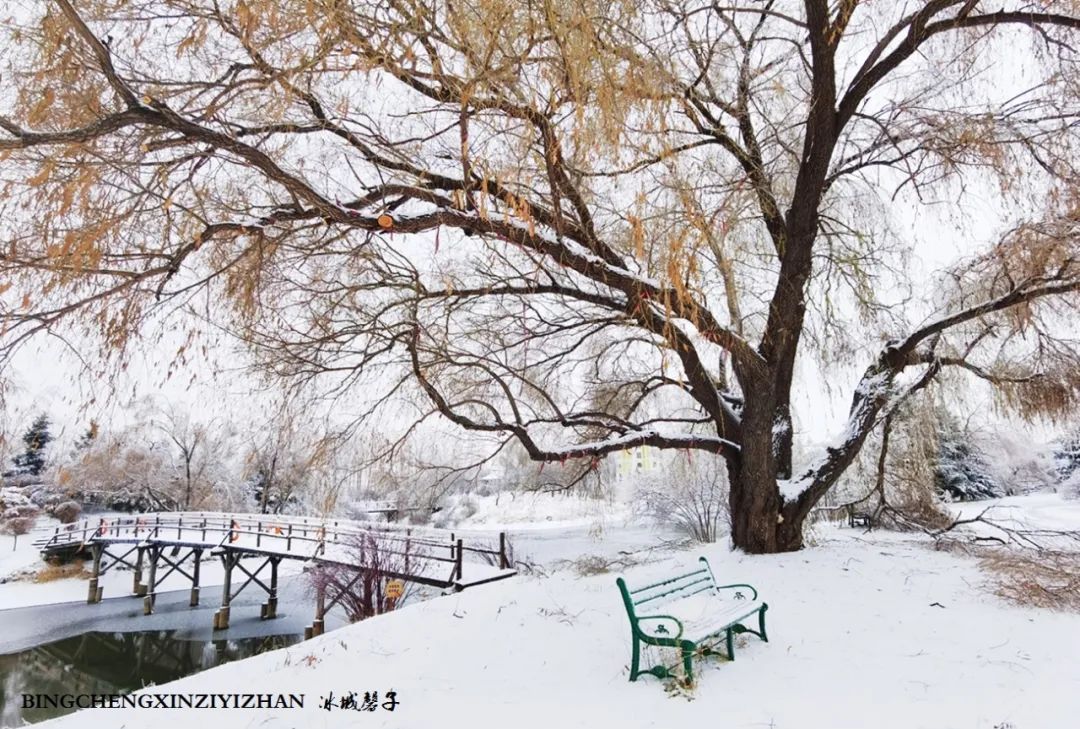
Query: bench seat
704, 615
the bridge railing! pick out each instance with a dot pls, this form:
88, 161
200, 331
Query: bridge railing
299, 537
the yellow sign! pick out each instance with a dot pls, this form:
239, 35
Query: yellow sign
395, 589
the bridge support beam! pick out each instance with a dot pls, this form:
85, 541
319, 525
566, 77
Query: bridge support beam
94, 591
194, 602
137, 587
269, 608
150, 589
231, 559
221, 618
318, 625
156, 553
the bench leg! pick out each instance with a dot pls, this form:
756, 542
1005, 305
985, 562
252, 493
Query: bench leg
730, 644
688, 649
635, 659
761, 623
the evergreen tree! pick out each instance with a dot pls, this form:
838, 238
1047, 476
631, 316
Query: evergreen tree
1067, 455
962, 472
32, 460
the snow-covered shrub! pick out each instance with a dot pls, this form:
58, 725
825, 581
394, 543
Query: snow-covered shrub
27, 510
67, 512
691, 494
375, 555
22, 480
48, 496
186, 468
14, 497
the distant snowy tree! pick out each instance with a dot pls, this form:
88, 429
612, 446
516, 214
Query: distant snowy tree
120, 471
32, 460
1017, 461
199, 456
276, 479
283, 456
162, 461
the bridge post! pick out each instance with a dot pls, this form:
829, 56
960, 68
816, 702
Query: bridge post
195, 578
93, 595
221, 617
269, 610
137, 587
503, 562
457, 560
319, 624
151, 586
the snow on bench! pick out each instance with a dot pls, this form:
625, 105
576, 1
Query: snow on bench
687, 612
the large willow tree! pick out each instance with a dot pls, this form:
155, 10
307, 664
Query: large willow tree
581, 226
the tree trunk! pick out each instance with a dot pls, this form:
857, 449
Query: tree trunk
760, 522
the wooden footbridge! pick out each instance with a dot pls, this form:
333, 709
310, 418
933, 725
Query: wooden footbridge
155, 546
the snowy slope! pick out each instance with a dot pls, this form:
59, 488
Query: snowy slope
866, 631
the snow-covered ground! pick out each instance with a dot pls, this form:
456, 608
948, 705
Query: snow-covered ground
1034, 511
17, 556
866, 630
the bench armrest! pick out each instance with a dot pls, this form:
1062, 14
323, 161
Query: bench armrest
726, 587
678, 625
735, 586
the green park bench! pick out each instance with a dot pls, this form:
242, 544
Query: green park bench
690, 613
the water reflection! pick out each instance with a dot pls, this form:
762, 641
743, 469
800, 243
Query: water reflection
110, 663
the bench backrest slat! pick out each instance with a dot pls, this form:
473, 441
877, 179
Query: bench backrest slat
672, 588
668, 581
685, 589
